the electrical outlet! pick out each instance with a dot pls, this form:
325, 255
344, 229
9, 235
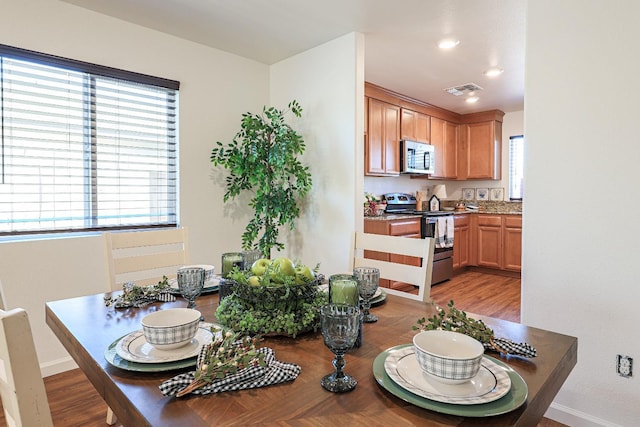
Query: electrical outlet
624, 366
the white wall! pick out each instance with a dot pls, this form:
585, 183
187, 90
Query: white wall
216, 88
328, 82
513, 124
581, 228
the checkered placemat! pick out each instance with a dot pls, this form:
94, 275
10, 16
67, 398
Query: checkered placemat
274, 372
506, 346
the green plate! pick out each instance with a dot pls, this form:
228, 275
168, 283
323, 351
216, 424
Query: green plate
379, 299
509, 402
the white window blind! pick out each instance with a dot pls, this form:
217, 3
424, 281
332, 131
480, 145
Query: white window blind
516, 167
84, 150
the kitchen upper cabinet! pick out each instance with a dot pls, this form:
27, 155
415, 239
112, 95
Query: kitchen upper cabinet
512, 235
480, 150
444, 137
414, 126
461, 241
382, 141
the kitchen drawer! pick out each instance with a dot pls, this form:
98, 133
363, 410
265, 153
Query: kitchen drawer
490, 220
460, 220
403, 228
513, 221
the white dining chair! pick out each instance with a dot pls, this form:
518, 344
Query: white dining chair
24, 398
143, 257
383, 245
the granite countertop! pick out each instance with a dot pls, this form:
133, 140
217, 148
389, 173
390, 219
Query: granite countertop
485, 207
386, 217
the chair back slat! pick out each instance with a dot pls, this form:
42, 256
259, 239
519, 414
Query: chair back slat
144, 257
378, 247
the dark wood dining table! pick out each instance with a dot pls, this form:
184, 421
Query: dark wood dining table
86, 327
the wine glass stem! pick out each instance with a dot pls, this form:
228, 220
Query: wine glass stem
366, 305
338, 364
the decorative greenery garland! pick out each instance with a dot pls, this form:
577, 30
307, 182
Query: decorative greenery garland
457, 321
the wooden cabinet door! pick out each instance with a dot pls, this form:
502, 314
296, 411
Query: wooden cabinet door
489, 241
512, 254
483, 145
451, 150
437, 140
414, 126
374, 150
382, 151
461, 237
408, 125
444, 137
392, 140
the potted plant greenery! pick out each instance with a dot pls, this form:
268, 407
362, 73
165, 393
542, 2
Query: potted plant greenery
263, 159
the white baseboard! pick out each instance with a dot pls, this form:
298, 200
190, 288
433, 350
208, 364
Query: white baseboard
57, 366
573, 418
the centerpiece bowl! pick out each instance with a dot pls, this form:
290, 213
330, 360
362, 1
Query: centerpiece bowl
276, 301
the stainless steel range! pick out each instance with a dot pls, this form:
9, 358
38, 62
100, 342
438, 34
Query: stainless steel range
401, 203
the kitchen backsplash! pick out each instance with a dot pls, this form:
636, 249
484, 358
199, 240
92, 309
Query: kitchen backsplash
455, 191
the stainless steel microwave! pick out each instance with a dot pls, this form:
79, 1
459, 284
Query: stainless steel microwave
416, 157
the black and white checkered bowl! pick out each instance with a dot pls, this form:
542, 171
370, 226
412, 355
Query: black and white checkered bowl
170, 328
448, 357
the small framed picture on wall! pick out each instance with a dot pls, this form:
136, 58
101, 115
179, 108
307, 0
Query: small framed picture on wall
468, 193
482, 194
496, 194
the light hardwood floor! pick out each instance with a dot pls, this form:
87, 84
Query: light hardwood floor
74, 401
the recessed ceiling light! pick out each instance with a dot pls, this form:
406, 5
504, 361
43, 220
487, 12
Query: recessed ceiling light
493, 72
448, 43
471, 100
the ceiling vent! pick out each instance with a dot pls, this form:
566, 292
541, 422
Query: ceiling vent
462, 89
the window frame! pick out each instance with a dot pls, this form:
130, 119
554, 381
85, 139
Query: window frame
94, 70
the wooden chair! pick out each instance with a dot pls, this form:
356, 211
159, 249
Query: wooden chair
143, 257
24, 397
383, 245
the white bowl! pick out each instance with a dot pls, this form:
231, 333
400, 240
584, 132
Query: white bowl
448, 357
171, 328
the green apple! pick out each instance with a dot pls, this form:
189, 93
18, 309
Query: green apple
304, 274
260, 266
283, 266
254, 281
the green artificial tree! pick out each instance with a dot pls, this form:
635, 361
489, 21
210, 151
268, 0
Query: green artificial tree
263, 159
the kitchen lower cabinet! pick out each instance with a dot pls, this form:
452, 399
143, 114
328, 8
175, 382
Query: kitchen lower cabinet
512, 235
382, 140
495, 242
461, 241
489, 238
409, 227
